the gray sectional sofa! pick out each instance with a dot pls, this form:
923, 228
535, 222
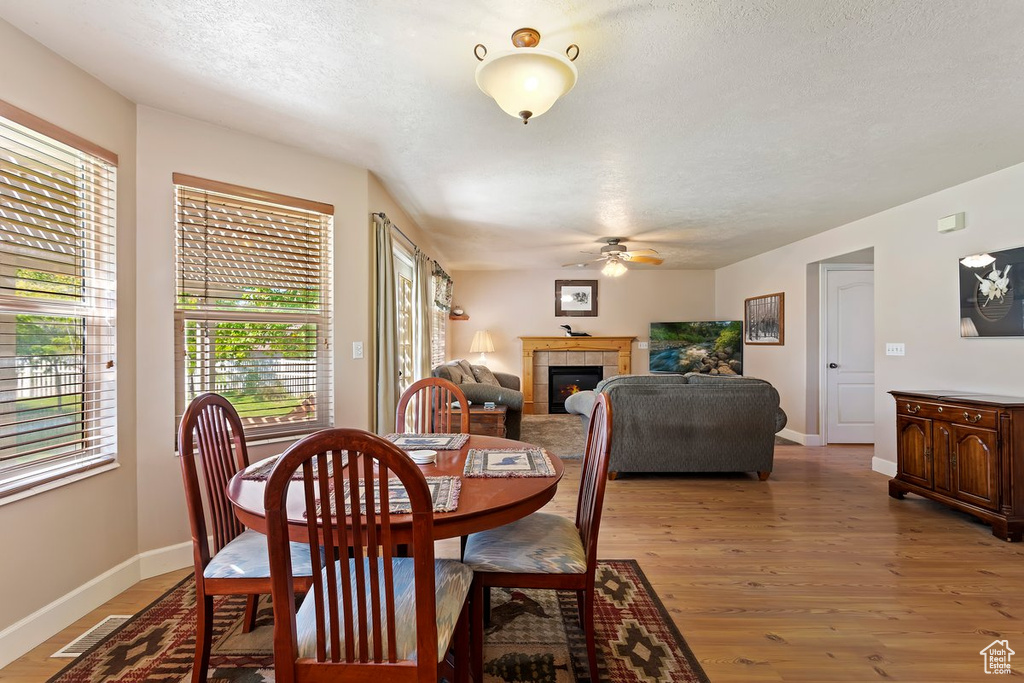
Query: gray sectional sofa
688, 423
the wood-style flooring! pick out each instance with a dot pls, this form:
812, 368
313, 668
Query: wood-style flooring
815, 575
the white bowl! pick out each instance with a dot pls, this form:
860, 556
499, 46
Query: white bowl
423, 456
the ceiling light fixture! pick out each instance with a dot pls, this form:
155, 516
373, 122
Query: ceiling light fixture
526, 80
613, 268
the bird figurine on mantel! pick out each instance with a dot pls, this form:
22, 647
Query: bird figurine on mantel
570, 333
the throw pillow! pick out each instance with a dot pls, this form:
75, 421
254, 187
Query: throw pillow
467, 373
454, 373
483, 375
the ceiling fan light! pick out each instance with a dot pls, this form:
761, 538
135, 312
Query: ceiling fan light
613, 268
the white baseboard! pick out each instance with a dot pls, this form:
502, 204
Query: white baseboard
800, 437
23, 635
886, 467
162, 560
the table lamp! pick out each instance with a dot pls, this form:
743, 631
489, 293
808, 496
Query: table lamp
482, 344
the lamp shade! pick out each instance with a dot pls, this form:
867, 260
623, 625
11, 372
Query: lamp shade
526, 81
481, 342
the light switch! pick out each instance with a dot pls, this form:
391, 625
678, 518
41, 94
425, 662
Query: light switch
357, 349
642, 345
895, 349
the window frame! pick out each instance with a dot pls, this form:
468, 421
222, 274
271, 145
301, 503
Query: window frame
94, 235
322, 319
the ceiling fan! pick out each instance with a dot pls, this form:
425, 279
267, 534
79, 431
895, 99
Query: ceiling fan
616, 255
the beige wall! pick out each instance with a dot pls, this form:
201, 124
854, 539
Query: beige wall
916, 300
167, 144
512, 304
382, 202
57, 540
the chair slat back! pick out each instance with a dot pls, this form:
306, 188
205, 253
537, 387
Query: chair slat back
211, 440
426, 408
594, 477
354, 598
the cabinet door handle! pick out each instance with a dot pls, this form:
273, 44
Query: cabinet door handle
970, 419
915, 409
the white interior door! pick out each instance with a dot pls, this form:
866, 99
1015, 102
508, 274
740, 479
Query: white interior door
849, 356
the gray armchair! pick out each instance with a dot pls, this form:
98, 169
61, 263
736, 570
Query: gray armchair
480, 385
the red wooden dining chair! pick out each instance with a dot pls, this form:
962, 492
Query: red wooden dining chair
548, 551
211, 446
370, 616
426, 408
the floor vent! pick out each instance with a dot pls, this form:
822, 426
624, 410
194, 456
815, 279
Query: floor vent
94, 635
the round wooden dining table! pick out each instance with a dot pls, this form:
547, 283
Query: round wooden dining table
484, 502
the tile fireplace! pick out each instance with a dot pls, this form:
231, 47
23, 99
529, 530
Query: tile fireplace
566, 380
612, 354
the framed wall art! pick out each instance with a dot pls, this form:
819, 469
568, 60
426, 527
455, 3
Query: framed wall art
992, 294
764, 319
575, 298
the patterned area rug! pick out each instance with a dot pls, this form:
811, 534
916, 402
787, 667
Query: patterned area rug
534, 636
559, 434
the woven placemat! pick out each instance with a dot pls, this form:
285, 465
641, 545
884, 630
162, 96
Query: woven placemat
508, 462
260, 471
438, 442
444, 492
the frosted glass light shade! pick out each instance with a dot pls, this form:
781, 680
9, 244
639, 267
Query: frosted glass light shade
526, 81
613, 268
481, 342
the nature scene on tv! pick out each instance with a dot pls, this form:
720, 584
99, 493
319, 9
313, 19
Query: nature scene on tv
710, 347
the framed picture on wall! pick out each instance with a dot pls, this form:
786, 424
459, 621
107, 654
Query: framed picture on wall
575, 298
764, 319
992, 294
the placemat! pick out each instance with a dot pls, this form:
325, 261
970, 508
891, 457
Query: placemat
439, 442
260, 471
508, 462
444, 492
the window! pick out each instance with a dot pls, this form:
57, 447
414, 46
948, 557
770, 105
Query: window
404, 309
253, 305
58, 412
441, 285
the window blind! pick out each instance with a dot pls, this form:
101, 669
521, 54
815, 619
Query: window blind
253, 305
57, 302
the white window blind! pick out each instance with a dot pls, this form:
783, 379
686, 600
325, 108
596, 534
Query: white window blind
253, 305
58, 412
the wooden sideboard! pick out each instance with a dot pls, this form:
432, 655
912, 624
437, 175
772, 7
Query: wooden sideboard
963, 450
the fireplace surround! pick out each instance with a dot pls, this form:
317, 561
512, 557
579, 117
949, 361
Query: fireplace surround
613, 354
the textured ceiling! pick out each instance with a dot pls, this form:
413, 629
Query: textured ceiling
711, 130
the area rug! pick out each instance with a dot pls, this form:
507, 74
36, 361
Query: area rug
561, 435
534, 636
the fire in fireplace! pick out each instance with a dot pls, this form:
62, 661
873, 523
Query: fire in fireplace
566, 380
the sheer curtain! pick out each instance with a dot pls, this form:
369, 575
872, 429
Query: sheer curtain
423, 293
386, 343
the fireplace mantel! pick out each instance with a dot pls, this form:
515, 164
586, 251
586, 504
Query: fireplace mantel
620, 345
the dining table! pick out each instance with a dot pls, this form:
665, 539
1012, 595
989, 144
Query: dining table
483, 502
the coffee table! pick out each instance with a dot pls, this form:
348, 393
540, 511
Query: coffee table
485, 421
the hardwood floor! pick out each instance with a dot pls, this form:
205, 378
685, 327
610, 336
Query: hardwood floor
815, 575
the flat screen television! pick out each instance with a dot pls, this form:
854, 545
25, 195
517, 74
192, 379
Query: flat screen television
707, 346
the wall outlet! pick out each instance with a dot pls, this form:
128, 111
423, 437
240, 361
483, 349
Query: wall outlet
642, 345
357, 349
895, 349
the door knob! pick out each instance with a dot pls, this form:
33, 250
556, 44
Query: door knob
833, 365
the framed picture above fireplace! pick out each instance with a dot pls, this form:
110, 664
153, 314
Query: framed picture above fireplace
575, 298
